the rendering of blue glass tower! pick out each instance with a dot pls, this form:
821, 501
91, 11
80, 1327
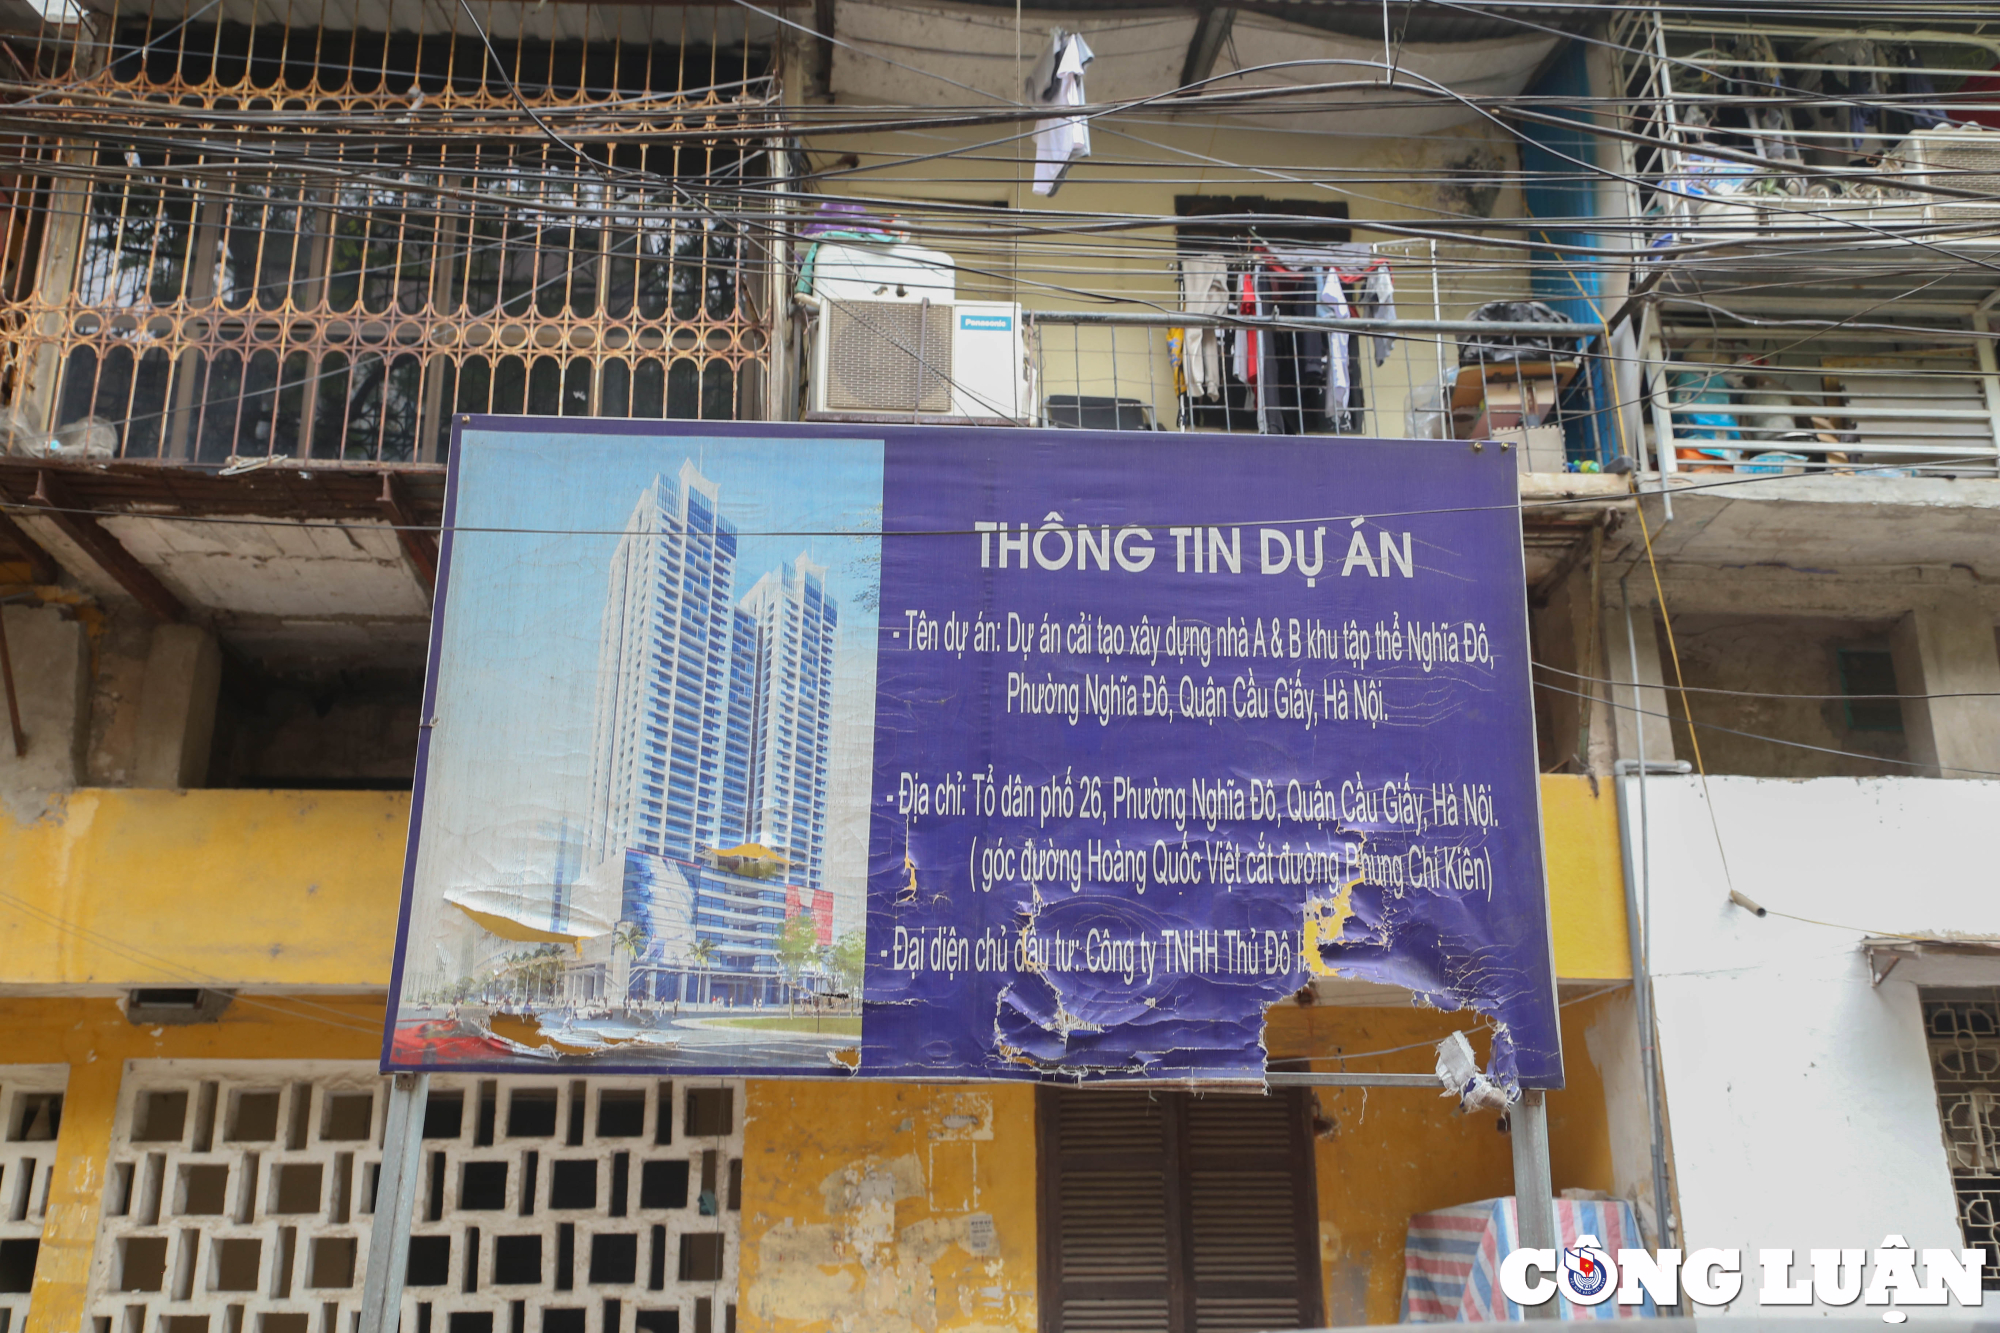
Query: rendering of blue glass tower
790, 715
712, 731
656, 782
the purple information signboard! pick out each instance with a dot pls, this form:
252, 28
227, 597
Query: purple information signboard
957, 753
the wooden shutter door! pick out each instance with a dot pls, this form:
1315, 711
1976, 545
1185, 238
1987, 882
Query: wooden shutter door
1252, 1213
1164, 1212
1107, 1249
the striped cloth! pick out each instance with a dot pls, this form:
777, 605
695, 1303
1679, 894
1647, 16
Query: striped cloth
1451, 1261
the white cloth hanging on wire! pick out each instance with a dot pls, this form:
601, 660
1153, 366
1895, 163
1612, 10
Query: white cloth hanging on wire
1204, 291
1058, 81
1333, 305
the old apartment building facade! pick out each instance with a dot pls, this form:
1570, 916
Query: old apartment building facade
257, 258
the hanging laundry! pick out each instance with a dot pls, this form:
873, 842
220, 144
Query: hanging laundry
1058, 81
1293, 360
1204, 291
1849, 77
1920, 95
1243, 361
1333, 305
1378, 297
1760, 83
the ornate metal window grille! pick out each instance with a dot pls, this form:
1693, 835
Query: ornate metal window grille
1963, 1029
322, 243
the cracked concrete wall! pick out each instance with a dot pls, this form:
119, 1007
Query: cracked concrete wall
177, 707
50, 657
120, 644
889, 1208
1772, 654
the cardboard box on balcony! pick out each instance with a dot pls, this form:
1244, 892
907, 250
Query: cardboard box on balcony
1512, 404
1506, 395
1536, 448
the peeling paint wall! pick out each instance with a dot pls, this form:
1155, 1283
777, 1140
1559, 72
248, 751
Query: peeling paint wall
92, 1037
294, 888
50, 657
1391, 1152
889, 1208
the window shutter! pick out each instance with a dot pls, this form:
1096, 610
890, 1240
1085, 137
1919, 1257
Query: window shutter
1105, 1189
1251, 1214
1163, 1212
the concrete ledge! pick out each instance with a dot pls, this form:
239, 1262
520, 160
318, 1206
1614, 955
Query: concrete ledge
1825, 521
1580, 486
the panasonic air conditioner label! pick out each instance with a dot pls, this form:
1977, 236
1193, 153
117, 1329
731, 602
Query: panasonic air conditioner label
987, 323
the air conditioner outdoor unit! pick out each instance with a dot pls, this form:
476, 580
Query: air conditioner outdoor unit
1962, 159
893, 342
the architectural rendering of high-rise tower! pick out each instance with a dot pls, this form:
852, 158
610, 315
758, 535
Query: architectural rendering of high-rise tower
713, 729
791, 715
656, 772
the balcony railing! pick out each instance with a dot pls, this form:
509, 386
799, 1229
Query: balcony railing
1117, 370
1759, 130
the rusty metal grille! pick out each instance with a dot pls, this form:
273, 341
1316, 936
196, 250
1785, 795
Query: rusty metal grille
323, 241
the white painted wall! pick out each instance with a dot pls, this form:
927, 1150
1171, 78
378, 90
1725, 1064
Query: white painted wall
1799, 1097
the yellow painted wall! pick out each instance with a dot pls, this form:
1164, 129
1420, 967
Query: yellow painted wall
857, 1195
237, 888
1392, 1152
860, 1203
92, 1037
300, 889
1586, 878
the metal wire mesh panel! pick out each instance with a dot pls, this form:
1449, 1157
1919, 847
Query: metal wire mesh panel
1963, 1027
241, 1196
888, 356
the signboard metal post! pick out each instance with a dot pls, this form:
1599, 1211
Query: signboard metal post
395, 1203
1534, 1189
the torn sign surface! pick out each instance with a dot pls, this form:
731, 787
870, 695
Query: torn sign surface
927, 752
1168, 725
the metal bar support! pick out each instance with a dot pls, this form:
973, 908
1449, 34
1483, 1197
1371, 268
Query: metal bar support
13, 701
1182, 319
1279, 1079
1989, 377
1653, 356
395, 1204
1534, 1186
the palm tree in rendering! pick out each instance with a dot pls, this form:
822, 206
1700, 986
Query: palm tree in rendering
702, 954
627, 938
